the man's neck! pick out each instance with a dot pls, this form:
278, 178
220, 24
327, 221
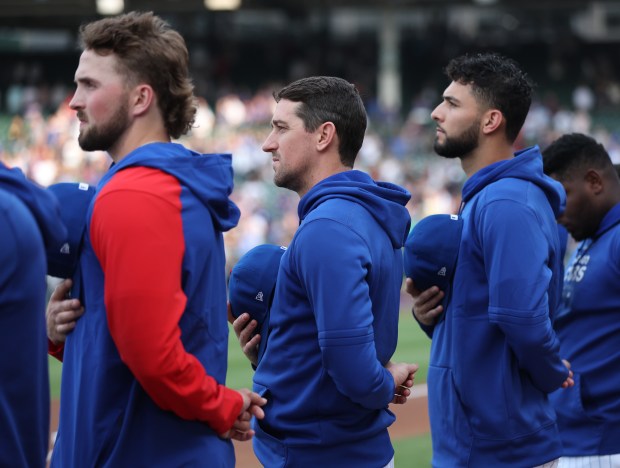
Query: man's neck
128, 143
321, 173
483, 157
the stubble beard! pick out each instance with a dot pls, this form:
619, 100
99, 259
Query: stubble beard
287, 179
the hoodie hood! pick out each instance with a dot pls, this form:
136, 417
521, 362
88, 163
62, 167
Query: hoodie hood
385, 201
208, 176
526, 165
43, 205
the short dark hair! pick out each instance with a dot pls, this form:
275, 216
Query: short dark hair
497, 82
149, 50
573, 152
330, 99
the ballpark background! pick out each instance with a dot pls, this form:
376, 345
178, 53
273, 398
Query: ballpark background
393, 50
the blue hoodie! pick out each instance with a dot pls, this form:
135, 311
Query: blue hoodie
29, 220
144, 369
494, 355
333, 326
588, 325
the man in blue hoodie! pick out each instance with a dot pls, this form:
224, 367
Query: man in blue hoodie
28, 225
494, 355
144, 368
588, 321
326, 370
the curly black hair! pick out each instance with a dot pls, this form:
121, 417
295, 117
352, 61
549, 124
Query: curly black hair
497, 82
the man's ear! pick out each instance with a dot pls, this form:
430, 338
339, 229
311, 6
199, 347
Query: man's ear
326, 134
492, 120
594, 181
141, 99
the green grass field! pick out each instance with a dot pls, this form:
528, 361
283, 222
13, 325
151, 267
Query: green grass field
414, 452
413, 346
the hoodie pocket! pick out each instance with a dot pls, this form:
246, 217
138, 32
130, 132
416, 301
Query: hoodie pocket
262, 390
450, 429
265, 423
569, 402
268, 447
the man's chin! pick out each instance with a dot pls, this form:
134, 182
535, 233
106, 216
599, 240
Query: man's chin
443, 154
87, 147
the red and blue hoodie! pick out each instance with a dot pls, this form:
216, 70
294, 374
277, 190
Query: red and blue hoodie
29, 222
333, 327
144, 369
494, 356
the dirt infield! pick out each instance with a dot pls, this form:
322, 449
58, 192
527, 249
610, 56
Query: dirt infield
411, 420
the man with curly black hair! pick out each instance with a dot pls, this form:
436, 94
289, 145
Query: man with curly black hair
494, 354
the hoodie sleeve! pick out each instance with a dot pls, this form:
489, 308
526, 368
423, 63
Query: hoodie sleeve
516, 254
333, 266
42, 205
137, 236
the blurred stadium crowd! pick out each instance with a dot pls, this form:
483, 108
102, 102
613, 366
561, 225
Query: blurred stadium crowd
38, 133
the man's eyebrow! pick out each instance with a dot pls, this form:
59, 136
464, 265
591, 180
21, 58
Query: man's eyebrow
84, 79
451, 99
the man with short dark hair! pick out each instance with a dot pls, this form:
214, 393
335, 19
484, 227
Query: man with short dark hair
333, 325
588, 320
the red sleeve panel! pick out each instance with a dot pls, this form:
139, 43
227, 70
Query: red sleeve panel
56, 350
137, 234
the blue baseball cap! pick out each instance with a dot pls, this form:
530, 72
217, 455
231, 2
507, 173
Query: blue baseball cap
431, 250
73, 199
252, 284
